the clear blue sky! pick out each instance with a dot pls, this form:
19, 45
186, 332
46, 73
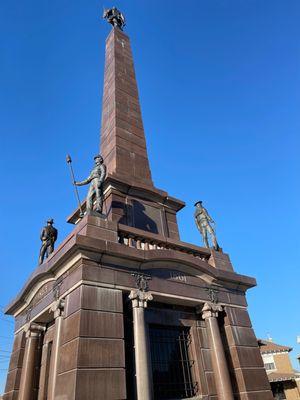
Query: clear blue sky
219, 84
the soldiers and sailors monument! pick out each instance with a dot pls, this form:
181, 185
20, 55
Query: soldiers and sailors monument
122, 308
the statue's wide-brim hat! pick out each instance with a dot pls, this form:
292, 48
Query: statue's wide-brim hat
50, 220
98, 156
198, 202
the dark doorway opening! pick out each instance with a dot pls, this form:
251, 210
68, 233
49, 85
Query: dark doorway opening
278, 390
171, 364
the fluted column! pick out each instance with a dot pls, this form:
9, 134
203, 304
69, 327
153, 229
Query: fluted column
57, 308
210, 314
142, 359
33, 332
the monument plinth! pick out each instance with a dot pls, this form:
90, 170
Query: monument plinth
123, 309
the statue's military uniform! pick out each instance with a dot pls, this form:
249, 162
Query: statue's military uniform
96, 180
203, 221
48, 238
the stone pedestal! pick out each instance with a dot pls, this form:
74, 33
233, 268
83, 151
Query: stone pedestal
142, 355
220, 260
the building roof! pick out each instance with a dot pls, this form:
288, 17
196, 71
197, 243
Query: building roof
269, 347
280, 377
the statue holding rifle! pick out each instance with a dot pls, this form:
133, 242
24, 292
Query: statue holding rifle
95, 179
204, 224
48, 238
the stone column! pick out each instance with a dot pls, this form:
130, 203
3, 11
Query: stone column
142, 357
33, 332
223, 384
57, 308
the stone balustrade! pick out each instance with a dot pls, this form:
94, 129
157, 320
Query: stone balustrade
131, 237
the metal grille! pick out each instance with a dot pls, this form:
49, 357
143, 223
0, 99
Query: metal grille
171, 366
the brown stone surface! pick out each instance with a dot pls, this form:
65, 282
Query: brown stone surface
11, 395
251, 379
256, 395
13, 380
16, 359
101, 299
243, 357
206, 360
19, 341
71, 327
100, 384
101, 324
247, 371
196, 354
211, 384
123, 144
240, 336
220, 260
97, 247
92, 353
237, 317
206, 355
66, 386
15, 367
94, 298
92, 347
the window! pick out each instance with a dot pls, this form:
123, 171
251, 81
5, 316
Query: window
269, 366
269, 361
171, 366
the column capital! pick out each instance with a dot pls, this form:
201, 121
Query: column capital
140, 298
210, 310
57, 308
33, 330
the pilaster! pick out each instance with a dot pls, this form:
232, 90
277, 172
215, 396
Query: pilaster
139, 300
210, 312
58, 309
30, 372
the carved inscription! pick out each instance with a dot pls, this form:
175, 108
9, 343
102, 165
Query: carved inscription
178, 276
45, 289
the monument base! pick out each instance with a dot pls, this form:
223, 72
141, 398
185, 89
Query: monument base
94, 213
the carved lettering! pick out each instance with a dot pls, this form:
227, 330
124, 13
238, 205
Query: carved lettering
177, 276
43, 291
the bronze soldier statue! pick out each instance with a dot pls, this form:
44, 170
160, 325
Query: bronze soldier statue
96, 180
204, 224
48, 238
114, 17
